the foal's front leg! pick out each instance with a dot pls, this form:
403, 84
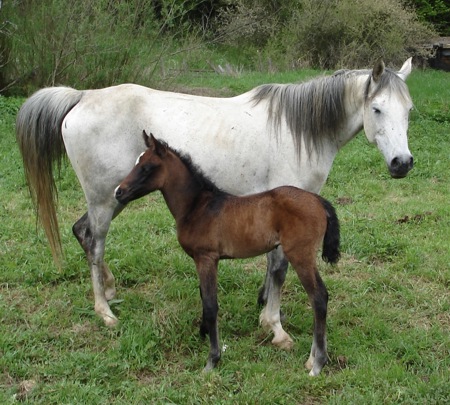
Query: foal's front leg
207, 273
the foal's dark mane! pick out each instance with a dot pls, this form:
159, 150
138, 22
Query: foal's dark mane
199, 177
315, 110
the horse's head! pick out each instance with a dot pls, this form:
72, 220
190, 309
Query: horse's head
386, 112
147, 175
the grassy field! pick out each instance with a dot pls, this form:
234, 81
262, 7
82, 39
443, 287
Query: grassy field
389, 314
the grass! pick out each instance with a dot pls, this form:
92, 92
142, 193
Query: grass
389, 296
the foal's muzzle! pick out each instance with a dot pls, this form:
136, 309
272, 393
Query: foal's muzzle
119, 195
400, 166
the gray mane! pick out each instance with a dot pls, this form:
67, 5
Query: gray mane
315, 110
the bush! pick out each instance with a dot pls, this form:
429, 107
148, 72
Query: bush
333, 34
326, 34
250, 23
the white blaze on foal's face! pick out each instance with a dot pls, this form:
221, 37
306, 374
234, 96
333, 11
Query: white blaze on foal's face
139, 158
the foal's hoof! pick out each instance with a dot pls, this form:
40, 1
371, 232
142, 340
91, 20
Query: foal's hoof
211, 364
314, 366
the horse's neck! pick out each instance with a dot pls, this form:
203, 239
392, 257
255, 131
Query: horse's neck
181, 189
354, 106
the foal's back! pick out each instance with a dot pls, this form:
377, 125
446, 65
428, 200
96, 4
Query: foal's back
240, 227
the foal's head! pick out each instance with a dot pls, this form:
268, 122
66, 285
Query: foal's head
147, 175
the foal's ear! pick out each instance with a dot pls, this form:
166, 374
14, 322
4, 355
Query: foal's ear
148, 140
154, 145
378, 70
160, 148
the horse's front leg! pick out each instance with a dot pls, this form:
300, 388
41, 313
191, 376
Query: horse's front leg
207, 273
270, 296
92, 236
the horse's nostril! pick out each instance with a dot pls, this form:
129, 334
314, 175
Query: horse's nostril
411, 162
118, 192
395, 163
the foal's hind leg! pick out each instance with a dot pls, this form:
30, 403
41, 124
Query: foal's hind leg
270, 295
207, 273
318, 297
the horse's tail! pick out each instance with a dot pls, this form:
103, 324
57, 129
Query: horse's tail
38, 133
331, 240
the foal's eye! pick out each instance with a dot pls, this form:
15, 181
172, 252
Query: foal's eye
376, 110
147, 169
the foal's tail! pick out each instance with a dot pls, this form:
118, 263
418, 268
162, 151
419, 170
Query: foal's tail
331, 240
38, 133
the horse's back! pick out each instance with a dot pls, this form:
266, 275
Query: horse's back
105, 131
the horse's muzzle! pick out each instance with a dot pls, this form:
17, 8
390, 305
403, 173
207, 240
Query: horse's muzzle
400, 166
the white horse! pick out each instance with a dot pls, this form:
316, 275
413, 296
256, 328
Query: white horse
273, 135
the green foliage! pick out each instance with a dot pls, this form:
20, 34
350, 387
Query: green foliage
436, 12
388, 311
334, 34
327, 34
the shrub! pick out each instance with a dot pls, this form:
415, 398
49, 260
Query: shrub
332, 34
325, 34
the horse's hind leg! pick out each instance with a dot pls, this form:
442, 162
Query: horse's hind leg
318, 297
207, 273
82, 231
277, 266
91, 231
270, 295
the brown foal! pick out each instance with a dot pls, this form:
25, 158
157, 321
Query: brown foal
213, 225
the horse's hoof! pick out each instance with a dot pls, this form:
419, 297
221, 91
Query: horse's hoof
110, 321
309, 363
313, 373
285, 343
110, 293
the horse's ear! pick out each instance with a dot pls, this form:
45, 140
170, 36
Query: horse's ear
404, 72
378, 70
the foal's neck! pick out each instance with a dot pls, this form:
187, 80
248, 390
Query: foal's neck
184, 188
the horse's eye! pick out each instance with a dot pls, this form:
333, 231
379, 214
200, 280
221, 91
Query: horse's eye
376, 110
